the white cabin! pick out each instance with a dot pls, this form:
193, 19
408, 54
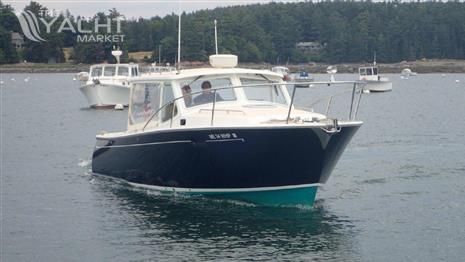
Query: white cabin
237, 97
113, 73
369, 73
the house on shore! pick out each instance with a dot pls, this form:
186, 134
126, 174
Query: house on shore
17, 40
309, 47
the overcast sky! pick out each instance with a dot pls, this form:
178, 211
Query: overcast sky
136, 8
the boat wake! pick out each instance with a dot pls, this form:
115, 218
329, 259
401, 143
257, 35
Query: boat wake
84, 163
87, 165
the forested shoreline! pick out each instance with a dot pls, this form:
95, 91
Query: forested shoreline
349, 32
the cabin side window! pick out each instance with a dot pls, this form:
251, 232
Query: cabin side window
262, 90
134, 71
96, 71
375, 71
363, 72
123, 71
200, 91
109, 71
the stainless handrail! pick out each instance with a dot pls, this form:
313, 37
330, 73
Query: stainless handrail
295, 86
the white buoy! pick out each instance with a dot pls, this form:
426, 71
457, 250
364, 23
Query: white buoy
13, 79
1, 82
26, 79
119, 107
74, 79
443, 75
457, 81
366, 91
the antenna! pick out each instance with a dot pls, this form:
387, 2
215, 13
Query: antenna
216, 39
179, 38
374, 59
159, 54
116, 53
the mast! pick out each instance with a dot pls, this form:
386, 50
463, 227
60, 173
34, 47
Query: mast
179, 38
216, 39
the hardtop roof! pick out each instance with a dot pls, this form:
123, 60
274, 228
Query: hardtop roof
190, 73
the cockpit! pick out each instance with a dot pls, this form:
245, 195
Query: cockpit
158, 101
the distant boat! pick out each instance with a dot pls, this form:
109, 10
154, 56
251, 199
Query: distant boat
303, 76
374, 82
407, 72
107, 85
284, 71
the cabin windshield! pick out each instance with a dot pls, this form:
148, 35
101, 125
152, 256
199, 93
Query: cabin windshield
147, 99
123, 71
265, 91
96, 71
109, 71
368, 71
195, 86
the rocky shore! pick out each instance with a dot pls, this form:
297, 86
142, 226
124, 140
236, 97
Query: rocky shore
421, 66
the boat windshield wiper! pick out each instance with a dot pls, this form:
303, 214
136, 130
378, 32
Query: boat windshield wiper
275, 88
195, 79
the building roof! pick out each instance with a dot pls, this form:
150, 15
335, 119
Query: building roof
16, 36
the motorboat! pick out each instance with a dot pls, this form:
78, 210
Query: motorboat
224, 132
108, 85
284, 71
303, 76
406, 72
374, 82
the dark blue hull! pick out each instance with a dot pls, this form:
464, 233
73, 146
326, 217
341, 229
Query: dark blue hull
223, 158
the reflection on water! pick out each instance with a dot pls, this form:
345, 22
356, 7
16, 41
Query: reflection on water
205, 227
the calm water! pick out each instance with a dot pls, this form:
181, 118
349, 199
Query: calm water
397, 194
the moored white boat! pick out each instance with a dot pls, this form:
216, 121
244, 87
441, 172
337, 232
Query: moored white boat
374, 82
406, 72
107, 85
224, 132
284, 71
303, 76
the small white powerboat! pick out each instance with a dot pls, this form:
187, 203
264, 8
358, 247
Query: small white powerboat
284, 71
406, 72
374, 82
107, 85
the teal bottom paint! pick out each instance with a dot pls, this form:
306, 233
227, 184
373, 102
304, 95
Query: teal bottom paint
282, 197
